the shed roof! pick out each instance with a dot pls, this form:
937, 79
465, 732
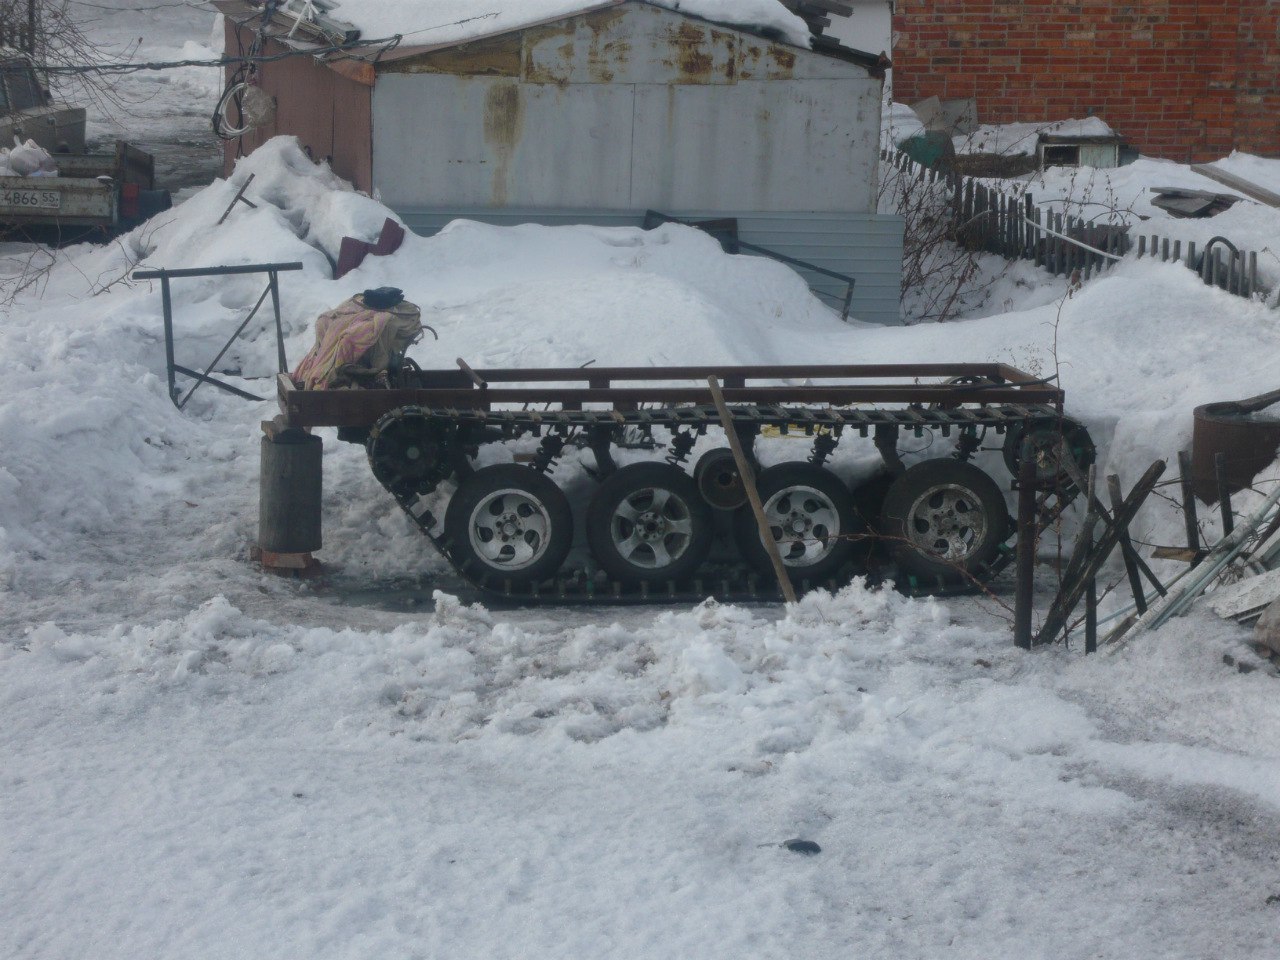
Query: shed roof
456, 21
513, 16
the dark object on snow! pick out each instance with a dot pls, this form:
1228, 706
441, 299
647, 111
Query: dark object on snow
290, 488
1243, 433
932, 148
1187, 204
806, 847
352, 251
383, 298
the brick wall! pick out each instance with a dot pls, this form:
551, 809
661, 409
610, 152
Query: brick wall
1182, 79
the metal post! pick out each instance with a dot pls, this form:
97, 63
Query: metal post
1189, 505
1224, 494
1026, 572
274, 282
1090, 604
166, 305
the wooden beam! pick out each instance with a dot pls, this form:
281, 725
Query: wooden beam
1248, 188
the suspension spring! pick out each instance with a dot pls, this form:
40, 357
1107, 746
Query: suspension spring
549, 451
681, 447
824, 445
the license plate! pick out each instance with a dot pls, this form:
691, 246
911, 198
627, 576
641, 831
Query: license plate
31, 199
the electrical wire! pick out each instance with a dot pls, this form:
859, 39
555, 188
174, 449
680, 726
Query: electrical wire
226, 61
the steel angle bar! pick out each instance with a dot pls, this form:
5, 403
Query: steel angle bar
215, 382
1224, 551
204, 377
273, 290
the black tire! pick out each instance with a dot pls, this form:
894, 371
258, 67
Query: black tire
647, 523
944, 520
814, 499
1051, 439
515, 502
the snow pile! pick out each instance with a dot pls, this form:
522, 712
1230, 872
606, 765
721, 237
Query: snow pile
499, 787
1263, 171
1021, 139
456, 21
1124, 194
102, 438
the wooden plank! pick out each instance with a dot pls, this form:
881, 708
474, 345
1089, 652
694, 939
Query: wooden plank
1240, 184
749, 483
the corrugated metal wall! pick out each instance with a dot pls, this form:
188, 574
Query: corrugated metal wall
864, 246
629, 108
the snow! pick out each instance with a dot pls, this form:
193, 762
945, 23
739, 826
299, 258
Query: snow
456, 21
1260, 170
198, 760
1021, 139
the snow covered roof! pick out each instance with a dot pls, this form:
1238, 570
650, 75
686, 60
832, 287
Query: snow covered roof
428, 25
446, 22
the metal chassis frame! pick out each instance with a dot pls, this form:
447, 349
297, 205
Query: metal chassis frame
629, 389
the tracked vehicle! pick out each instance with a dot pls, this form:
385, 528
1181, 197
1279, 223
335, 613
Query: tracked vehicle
508, 528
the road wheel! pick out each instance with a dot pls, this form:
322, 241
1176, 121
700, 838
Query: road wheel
944, 520
509, 522
648, 523
811, 517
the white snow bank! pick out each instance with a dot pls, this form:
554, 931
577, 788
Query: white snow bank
1014, 139
1263, 171
455, 21
102, 439
1124, 195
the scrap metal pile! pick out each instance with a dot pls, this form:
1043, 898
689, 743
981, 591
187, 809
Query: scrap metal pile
651, 526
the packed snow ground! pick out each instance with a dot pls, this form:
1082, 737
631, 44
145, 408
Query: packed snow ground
201, 761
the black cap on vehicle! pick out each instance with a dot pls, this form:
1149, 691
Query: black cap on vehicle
383, 298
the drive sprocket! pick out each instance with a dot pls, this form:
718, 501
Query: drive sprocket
411, 452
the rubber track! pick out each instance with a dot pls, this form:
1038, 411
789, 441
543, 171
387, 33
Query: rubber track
733, 584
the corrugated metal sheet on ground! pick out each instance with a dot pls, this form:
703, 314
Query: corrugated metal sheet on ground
867, 247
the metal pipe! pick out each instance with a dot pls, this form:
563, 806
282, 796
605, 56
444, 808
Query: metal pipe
166, 305
1026, 560
1063, 236
273, 282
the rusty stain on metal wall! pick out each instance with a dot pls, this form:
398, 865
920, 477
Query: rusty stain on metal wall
499, 57
700, 54
766, 61
503, 125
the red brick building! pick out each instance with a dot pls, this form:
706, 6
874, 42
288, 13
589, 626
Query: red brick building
1182, 79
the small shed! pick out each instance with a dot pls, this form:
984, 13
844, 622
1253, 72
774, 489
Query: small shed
598, 116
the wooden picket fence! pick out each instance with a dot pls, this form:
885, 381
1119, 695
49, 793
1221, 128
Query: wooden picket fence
1014, 227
